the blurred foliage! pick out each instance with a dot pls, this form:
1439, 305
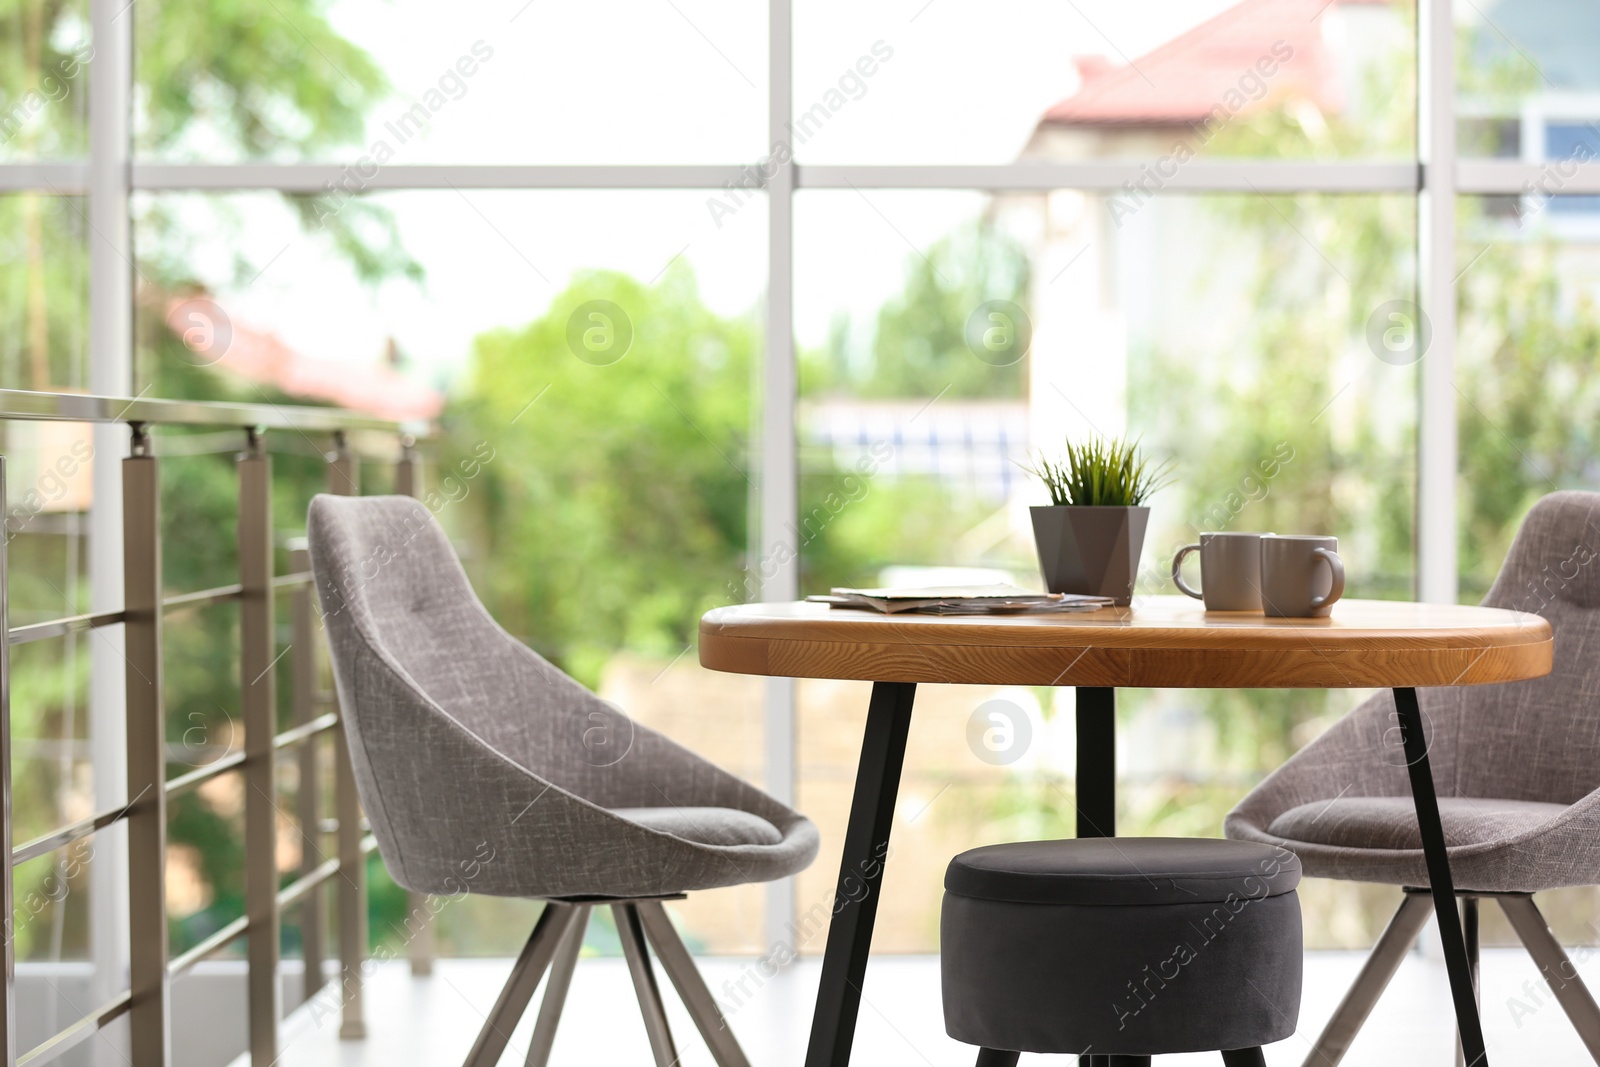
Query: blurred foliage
612, 498
215, 83
919, 346
267, 82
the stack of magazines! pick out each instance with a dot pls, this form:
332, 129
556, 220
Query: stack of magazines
962, 600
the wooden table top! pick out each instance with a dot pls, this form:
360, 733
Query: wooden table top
1160, 642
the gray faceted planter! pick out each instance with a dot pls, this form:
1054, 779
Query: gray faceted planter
1091, 550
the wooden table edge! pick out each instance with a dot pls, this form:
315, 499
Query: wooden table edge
1512, 654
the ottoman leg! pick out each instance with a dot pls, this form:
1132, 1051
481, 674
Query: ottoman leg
993, 1057
1244, 1057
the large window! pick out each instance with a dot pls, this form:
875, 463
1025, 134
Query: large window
713, 287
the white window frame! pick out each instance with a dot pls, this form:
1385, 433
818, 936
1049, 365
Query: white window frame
1435, 177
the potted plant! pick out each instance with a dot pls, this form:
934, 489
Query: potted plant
1090, 536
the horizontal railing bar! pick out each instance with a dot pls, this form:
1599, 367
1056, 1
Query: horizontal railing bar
221, 594
233, 931
185, 782
65, 835
79, 407
288, 896
40, 631
297, 734
79, 1031
182, 784
291, 894
331, 826
368, 843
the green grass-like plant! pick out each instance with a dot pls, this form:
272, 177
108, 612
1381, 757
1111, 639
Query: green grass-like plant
1112, 473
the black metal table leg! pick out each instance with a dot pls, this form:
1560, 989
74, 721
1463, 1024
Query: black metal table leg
1440, 883
1097, 779
1097, 761
866, 847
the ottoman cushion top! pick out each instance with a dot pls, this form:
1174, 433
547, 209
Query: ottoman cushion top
1122, 871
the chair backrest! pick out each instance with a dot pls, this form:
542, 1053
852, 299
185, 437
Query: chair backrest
1539, 739
425, 673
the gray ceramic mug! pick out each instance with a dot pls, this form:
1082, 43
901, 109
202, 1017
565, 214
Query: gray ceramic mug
1230, 571
1301, 577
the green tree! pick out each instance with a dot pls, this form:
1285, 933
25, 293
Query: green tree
919, 347
615, 483
227, 81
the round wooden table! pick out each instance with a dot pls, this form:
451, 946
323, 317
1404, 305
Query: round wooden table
1160, 642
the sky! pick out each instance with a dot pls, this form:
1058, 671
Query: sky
656, 81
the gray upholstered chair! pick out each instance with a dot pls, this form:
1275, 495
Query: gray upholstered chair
1517, 768
484, 769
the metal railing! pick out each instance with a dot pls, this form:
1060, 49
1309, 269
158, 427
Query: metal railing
151, 968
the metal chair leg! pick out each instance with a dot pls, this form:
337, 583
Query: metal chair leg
1556, 967
525, 974
555, 991
1244, 1057
1374, 978
631, 930
680, 968
993, 1057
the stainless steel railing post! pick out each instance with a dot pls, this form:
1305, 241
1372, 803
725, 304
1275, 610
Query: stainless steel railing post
149, 1011
259, 709
308, 794
146, 997
344, 480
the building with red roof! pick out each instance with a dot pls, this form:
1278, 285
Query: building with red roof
1117, 270
263, 358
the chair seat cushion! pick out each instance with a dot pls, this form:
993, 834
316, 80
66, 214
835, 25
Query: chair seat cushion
1390, 823
706, 826
1123, 870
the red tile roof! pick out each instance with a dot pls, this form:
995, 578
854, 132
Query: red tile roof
262, 357
1185, 79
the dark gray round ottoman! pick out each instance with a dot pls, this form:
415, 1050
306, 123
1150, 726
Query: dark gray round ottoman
1121, 947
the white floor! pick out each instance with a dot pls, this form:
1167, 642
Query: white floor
420, 1022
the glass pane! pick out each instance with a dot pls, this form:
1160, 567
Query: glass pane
44, 292
1527, 405
1045, 81
43, 344
591, 356
44, 80
236, 291
1248, 339
621, 81
1525, 367
1527, 80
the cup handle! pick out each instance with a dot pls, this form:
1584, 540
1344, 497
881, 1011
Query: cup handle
1177, 571
1336, 565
